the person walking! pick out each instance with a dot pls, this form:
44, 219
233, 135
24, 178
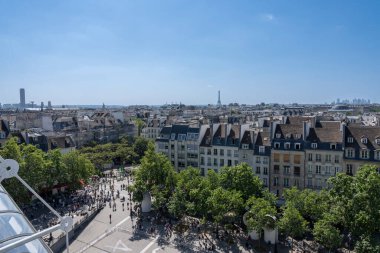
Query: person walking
110, 218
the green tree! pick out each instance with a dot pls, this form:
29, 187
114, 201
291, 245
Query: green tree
292, 223
241, 178
327, 234
140, 124
11, 150
366, 244
225, 205
356, 200
260, 214
155, 175
79, 168
191, 193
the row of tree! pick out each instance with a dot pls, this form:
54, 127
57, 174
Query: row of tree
42, 171
347, 211
126, 151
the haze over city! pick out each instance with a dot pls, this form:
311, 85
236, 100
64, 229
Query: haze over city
156, 52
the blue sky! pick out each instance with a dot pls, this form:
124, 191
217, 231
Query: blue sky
153, 52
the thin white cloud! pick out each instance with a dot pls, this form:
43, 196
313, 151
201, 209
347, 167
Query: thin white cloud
210, 86
268, 17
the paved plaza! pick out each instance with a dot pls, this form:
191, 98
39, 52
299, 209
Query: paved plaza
123, 235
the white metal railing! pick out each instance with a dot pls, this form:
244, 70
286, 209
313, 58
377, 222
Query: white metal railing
8, 169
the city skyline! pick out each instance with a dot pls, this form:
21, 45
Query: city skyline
145, 52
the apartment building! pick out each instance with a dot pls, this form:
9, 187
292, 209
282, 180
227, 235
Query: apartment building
297, 151
323, 153
180, 143
153, 128
361, 146
220, 146
288, 157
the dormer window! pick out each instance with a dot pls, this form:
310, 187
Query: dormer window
287, 145
297, 136
276, 145
377, 141
364, 140
350, 140
172, 137
245, 146
333, 146
288, 136
314, 145
261, 149
278, 136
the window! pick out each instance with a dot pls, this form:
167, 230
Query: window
221, 162
172, 137
310, 168
328, 170
310, 183
336, 160
228, 152
265, 171
337, 170
265, 181
349, 169
278, 136
314, 145
286, 158
276, 145
202, 160
286, 170
377, 141
236, 153
350, 139
265, 160
287, 145
310, 157
297, 136
333, 146
296, 182
328, 158
297, 159
297, 171
276, 169
318, 157
275, 181
202, 151
319, 183
364, 154
236, 162
244, 156
181, 137
276, 157
258, 159
350, 153
261, 149
318, 169
208, 161
215, 162
209, 151
297, 146
245, 146
363, 140
221, 152
286, 182
215, 151
258, 171
377, 154
229, 162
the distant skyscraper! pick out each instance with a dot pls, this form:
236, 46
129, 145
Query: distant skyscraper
49, 105
219, 102
22, 98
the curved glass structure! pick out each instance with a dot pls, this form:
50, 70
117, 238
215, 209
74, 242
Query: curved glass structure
15, 226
